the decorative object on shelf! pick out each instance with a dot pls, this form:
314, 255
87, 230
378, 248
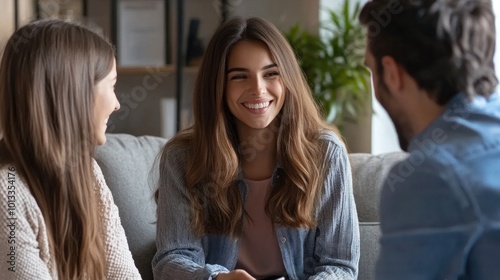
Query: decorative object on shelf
195, 49
168, 113
142, 32
333, 64
68, 9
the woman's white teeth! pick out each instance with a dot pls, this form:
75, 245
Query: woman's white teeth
258, 105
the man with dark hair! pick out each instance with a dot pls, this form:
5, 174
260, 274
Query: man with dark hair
432, 70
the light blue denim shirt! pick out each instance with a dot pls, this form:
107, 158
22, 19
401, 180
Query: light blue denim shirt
328, 251
440, 208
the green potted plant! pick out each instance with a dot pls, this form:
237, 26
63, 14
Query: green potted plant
333, 64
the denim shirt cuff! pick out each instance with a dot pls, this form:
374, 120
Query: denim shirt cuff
215, 269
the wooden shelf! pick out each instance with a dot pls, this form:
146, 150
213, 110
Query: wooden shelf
142, 70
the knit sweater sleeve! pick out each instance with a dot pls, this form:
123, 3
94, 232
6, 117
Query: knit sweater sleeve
24, 249
119, 261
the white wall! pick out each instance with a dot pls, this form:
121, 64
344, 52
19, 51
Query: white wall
496, 9
6, 22
282, 13
26, 13
384, 137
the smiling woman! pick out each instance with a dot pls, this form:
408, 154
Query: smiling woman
56, 94
254, 90
259, 187
105, 103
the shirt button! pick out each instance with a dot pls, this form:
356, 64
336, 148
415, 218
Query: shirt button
283, 239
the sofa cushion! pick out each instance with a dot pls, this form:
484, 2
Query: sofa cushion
369, 235
369, 172
126, 162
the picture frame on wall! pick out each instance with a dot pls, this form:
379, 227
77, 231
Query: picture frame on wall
141, 32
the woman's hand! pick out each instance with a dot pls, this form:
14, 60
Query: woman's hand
237, 274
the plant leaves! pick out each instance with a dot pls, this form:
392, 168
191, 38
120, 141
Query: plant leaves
333, 65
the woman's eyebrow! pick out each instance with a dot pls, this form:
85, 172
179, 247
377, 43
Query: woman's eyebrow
239, 69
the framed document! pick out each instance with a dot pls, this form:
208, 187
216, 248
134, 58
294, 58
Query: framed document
142, 32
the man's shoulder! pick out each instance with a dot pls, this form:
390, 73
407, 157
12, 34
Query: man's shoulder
424, 192
426, 176
415, 169
464, 131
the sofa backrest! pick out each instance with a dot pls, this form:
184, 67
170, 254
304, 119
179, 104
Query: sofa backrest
126, 163
368, 174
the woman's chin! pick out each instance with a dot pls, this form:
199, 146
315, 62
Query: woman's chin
101, 139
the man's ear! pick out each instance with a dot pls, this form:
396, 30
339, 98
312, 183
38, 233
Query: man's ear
393, 76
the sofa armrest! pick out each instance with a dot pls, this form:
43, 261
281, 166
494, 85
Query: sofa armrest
369, 234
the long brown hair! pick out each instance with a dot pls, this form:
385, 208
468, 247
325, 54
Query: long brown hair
47, 76
213, 158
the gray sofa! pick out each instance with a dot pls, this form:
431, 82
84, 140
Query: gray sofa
126, 163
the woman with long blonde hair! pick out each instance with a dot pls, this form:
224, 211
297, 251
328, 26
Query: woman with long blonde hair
56, 94
259, 187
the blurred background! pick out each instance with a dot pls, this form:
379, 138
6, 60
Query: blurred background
155, 80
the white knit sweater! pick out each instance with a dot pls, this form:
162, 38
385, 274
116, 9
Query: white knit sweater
24, 247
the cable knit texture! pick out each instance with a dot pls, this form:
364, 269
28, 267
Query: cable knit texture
24, 247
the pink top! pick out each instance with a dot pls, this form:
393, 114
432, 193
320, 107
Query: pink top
259, 252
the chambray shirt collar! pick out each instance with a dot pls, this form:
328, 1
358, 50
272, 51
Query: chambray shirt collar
457, 107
